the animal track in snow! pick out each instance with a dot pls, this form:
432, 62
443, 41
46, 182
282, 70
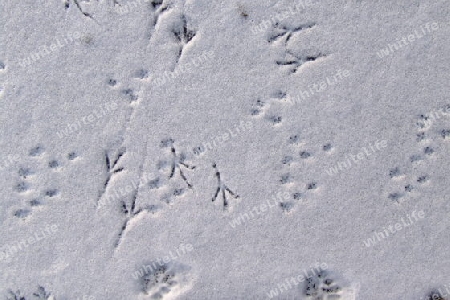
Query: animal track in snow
28, 186
292, 59
166, 282
171, 183
128, 93
178, 162
131, 212
112, 167
295, 61
183, 35
429, 135
40, 294
158, 7
111, 82
298, 155
169, 187
436, 295
127, 201
84, 7
323, 286
141, 74
37, 151
261, 108
17, 295
284, 33
222, 187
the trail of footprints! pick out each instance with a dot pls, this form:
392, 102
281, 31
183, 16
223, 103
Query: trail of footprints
430, 132
182, 34
171, 183
176, 167
39, 294
128, 94
167, 281
292, 60
162, 282
261, 109
300, 154
27, 185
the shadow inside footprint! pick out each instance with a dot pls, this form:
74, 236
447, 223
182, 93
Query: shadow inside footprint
22, 213
36, 151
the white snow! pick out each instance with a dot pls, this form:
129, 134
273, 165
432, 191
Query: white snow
235, 145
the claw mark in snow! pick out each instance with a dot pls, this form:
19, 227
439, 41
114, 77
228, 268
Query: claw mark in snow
221, 187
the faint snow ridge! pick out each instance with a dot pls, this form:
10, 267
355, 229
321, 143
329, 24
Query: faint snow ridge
188, 67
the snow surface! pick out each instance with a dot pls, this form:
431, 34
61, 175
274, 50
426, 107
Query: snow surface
321, 130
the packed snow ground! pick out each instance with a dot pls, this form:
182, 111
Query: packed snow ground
193, 149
